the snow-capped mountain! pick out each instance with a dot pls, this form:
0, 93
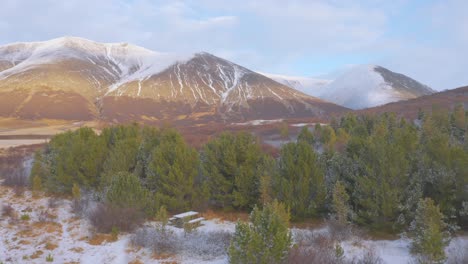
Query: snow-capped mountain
371, 85
359, 86
307, 85
75, 78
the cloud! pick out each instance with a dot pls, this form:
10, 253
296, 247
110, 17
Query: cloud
436, 56
425, 39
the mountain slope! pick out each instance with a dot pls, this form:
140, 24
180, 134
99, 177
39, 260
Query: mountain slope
410, 108
74, 78
370, 85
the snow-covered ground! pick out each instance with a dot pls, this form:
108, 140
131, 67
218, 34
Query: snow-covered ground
70, 240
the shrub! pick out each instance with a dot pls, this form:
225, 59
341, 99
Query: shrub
115, 233
105, 217
201, 244
369, 257
311, 247
54, 202
25, 217
126, 191
15, 176
36, 185
8, 211
429, 232
266, 240
44, 216
49, 258
161, 241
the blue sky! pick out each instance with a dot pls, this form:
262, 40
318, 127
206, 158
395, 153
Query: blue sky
425, 39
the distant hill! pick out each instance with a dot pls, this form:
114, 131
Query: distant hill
410, 108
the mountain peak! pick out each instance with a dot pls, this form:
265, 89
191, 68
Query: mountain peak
371, 85
127, 82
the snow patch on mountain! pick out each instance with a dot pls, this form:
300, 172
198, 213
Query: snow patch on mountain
123, 61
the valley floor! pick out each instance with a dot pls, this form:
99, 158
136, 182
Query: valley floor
44, 229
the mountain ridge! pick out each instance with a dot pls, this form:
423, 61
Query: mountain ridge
97, 77
361, 86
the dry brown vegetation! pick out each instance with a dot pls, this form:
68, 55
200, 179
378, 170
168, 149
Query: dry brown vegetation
99, 239
410, 108
225, 216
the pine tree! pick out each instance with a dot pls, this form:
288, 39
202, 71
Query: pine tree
340, 199
265, 240
328, 138
121, 157
36, 185
163, 217
76, 192
429, 232
306, 136
126, 191
39, 172
172, 173
300, 181
284, 130
458, 123
232, 165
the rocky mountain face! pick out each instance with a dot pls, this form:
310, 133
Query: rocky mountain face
74, 78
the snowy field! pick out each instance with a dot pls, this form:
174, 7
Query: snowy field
52, 230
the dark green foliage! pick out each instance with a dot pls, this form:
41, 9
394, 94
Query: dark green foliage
172, 173
306, 136
340, 200
265, 240
389, 164
121, 157
300, 181
384, 163
125, 191
232, 166
74, 157
429, 232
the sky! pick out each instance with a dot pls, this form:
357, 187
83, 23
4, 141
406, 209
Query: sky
424, 39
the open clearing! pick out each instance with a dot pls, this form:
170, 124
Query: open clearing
29, 237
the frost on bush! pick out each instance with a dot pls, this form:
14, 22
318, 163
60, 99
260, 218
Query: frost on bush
325, 248
207, 245
7, 211
311, 247
104, 217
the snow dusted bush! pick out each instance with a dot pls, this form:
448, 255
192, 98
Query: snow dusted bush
369, 257
341, 232
84, 206
104, 217
314, 247
324, 247
15, 177
54, 202
7, 211
207, 245
158, 240
44, 216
